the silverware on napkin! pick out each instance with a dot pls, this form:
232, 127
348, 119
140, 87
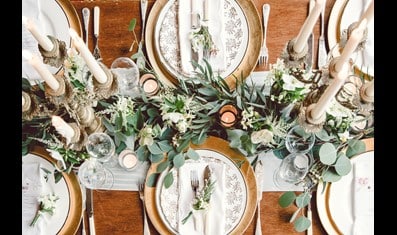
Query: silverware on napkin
258, 177
322, 51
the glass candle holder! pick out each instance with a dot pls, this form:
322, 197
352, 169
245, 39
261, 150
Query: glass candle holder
128, 159
228, 115
149, 84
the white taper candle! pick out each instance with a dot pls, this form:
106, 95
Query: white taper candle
44, 41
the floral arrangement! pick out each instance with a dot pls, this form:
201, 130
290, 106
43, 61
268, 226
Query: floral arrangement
202, 39
160, 128
47, 205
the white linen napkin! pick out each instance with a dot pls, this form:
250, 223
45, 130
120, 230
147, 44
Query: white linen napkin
215, 27
363, 197
32, 187
214, 221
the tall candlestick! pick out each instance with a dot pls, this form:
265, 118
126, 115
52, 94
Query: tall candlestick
369, 89
324, 101
38, 65
63, 128
307, 27
89, 59
351, 45
369, 13
206, 9
44, 41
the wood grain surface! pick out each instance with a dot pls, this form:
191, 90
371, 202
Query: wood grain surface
120, 212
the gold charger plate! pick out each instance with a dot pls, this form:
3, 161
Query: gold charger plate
221, 146
323, 198
71, 15
75, 210
247, 64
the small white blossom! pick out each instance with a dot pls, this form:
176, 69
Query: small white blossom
344, 136
291, 83
263, 136
146, 136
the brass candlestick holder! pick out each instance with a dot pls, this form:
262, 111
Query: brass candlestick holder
57, 55
107, 89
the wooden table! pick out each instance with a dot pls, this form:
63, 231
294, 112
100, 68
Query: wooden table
120, 212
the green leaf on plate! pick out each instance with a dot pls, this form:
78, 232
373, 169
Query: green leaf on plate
132, 24
303, 199
162, 166
57, 176
355, 147
330, 175
168, 180
343, 165
286, 199
192, 154
327, 154
179, 160
302, 223
152, 179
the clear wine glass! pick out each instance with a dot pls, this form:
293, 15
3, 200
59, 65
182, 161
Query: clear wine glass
299, 141
100, 146
92, 174
292, 170
127, 74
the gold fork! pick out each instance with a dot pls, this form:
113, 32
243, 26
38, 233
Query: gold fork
141, 186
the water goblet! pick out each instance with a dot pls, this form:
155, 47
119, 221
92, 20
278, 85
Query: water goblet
299, 141
100, 146
92, 174
292, 170
127, 74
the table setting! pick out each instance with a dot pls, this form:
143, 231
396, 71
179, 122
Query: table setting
197, 117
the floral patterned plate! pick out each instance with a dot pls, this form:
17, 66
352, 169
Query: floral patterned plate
243, 40
235, 192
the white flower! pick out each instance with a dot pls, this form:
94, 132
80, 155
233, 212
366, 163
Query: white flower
146, 136
344, 136
263, 136
337, 110
182, 126
291, 83
279, 65
173, 117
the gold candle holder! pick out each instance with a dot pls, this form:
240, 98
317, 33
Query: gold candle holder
29, 106
228, 115
107, 89
57, 55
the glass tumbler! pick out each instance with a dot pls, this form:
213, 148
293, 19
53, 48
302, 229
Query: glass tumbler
100, 146
299, 141
292, 170
127, 74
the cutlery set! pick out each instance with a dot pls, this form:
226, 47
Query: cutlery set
86, 19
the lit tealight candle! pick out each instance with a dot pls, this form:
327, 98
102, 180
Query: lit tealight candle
43, 41
89, 59
63, 128
38, 65
228, 115
149, 84
128, 159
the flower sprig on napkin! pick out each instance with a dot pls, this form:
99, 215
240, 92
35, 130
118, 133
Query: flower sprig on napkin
203, 39
202, 200
47, 205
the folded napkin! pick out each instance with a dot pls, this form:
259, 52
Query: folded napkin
33, 184
215, 26
214, 220
363, 197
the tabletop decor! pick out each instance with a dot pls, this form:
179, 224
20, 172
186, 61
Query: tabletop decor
47, 205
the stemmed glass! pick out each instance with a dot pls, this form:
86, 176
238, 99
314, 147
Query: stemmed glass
127, 74
93, 173
295, 166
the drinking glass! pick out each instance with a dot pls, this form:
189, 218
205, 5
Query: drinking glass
292, 170
127, 74
92, 174
299, 141
100, 146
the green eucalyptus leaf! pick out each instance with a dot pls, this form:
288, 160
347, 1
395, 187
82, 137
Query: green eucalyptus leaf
162, 166
156, 157
171, 155
164, 145
286, 199
234, 137
153, 112
207, 91
192, 154
152, 179
201, 138
121, 147
343, 165
185, 143
179, 160
355, 147
303, 199
327, 154
132, 24
323, 135
168, 179
330, 175
302, 224
108, 125
143, 153
155, 149
57, 176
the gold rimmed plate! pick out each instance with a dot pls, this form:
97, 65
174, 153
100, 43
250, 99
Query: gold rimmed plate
66, 218
214, 151
163, 54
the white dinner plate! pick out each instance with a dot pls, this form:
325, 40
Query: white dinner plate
345, 12
235, 189
235, 37
54, 18
335, 204
68, 210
